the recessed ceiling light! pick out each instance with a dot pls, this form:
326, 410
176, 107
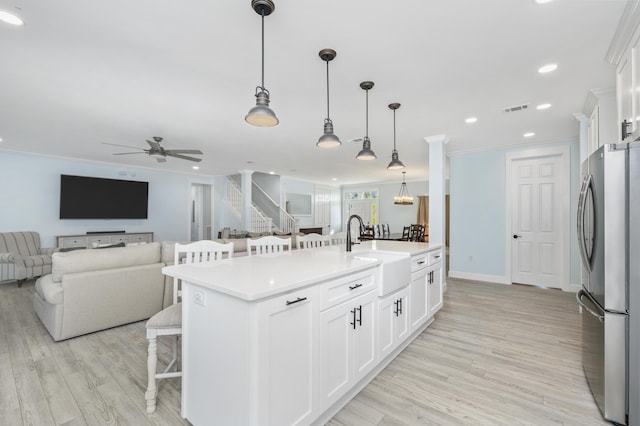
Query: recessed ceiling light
10, 18
333, 179
543, 1
543, 106
272, 173
196, 168
471, 120
529, 134
0, 139
547, 68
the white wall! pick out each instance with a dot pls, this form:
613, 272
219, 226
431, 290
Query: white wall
30, 195
478, 183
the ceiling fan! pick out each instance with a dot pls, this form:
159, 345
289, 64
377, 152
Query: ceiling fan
159, 152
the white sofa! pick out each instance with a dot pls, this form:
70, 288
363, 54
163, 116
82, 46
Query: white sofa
91, 290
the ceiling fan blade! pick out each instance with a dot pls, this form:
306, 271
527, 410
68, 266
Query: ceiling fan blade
154, 145
126, 153
356, 140
183, 151
184, 157
124, 146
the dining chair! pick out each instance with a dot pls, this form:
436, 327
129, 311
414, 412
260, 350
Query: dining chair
168, 322
268, 244
417, 233
406, 233
312, 240
339, 238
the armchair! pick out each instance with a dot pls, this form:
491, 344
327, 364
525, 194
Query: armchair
22, 258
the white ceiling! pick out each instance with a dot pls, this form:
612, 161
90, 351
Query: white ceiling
84, 72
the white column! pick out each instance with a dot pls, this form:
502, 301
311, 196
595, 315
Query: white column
246, 198
437, 188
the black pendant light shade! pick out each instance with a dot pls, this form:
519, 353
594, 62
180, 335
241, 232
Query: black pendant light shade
261, 115
395, 160
328, 139
366, 153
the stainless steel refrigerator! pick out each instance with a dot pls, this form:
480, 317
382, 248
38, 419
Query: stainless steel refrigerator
609, 242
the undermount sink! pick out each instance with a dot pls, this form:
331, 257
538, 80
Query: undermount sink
394, 272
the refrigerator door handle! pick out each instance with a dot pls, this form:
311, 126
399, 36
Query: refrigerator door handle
582, 202
579, 295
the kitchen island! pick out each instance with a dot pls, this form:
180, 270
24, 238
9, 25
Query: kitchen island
290, 338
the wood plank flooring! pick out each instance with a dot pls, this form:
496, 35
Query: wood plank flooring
495, 355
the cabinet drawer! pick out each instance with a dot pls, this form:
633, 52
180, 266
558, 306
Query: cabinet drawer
141, 238
419, 261
115, 239
69, 242
343, 289
435, 257
95, 241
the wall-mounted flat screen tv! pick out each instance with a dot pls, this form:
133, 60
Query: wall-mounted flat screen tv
83, 197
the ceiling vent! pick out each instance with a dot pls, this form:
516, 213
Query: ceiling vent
516, 108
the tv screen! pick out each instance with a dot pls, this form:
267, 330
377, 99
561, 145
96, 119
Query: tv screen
84, 197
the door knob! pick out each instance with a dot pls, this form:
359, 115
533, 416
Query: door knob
516, 236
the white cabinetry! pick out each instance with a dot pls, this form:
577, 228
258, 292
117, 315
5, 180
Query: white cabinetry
624, 54
251, 363
393, 321
434, 282
600, 107
288, 346
348, 345
419, 295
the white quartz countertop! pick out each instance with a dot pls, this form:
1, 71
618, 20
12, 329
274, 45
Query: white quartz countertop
253, 278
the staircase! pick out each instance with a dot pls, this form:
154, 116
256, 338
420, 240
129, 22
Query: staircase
260, 221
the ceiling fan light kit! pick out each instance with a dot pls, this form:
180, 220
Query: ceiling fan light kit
395, 159
261, 115
328, 139
366, 153
403, 198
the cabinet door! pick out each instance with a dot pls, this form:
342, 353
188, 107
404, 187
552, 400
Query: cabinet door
288, 351
435, 289
364, 337
419, 299
393, 321
336, 331
386, 327
625, 92
402, 326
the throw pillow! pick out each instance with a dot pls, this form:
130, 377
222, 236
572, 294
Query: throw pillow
102, 246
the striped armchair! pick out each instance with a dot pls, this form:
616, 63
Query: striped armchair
21, 256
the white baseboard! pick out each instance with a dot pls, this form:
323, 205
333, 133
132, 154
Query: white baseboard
498, 279
573, 288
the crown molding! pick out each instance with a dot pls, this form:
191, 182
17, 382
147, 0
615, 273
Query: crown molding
625, 32
594, 96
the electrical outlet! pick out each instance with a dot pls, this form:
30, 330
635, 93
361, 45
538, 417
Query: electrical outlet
198, 297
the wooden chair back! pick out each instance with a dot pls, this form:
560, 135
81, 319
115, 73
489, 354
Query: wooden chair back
312, 240
268, 244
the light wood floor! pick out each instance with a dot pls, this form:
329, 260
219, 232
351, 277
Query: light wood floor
495, 355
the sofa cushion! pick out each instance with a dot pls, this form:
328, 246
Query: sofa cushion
239, 244
49, 291
109, 258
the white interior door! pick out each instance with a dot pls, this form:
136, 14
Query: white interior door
537, 220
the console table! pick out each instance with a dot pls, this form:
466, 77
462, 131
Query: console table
87, 241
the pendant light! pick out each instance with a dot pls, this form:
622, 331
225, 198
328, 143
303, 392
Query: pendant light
328, 140
403, 197
261, 115
395, 161
366, 153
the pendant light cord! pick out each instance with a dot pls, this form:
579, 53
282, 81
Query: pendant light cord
262, 49
328, 117
367, 115
394, 129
